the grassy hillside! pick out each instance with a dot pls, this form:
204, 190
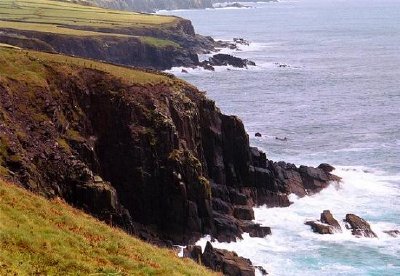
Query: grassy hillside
49, 16
41, 237
25, 65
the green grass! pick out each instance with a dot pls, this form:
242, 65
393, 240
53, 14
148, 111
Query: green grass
42, 237
66, 18
30, 66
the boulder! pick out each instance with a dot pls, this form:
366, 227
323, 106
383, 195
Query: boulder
320, 228
327, 218
359, 226
227, 262
258, 134
393, 233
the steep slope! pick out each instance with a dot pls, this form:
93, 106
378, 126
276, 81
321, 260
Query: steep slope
136, 149
120, 37
41, 237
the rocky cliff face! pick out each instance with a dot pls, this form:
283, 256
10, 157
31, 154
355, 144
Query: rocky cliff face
159, 155
135, 47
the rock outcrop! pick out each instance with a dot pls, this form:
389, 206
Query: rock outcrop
327, 218
225, 60
320, 228
359, 227
157, 159
326, 225
227, 262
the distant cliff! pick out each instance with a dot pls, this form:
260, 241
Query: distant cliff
154, 5
152, 41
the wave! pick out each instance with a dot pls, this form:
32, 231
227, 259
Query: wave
292, 246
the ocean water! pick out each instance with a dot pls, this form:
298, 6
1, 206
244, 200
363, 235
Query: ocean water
337, 101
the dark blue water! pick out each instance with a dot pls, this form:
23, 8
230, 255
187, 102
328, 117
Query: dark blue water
338, 101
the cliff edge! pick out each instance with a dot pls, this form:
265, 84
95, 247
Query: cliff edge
141, 150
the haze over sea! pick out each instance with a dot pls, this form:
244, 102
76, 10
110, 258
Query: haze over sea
338, 101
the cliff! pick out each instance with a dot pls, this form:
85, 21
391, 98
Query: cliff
126, 38
154, 5
141, 150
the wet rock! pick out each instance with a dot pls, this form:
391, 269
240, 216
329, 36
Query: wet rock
359, 226
261, 269
320, 228
326, 167
243, 212
258, 134
393, 233
256, 230
224, 60
229, 263
327, 218
242, 41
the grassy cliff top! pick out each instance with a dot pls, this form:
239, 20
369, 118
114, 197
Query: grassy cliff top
66, 13
51, 16
26, 65
42, 237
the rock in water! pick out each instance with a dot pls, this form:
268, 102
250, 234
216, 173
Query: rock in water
393, 233
224, 60
320, 228
327, 218
359, 226
229, 263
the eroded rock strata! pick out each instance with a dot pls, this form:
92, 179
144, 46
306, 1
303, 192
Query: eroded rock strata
158, 159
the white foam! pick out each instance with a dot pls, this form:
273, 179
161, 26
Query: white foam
363, 191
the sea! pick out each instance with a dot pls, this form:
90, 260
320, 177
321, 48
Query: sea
328, 79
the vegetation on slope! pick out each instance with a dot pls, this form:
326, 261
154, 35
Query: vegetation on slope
23, 65
72, 19
42, 237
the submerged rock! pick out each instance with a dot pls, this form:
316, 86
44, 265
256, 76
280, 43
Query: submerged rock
359, 226
393, 233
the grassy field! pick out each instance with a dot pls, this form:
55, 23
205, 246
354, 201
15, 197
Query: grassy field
23, 65
51, 16
41, 237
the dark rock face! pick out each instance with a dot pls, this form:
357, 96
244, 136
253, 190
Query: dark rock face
359, 226
229, 263
320, 228
124, 50
162, 163
224, 60
327, 218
